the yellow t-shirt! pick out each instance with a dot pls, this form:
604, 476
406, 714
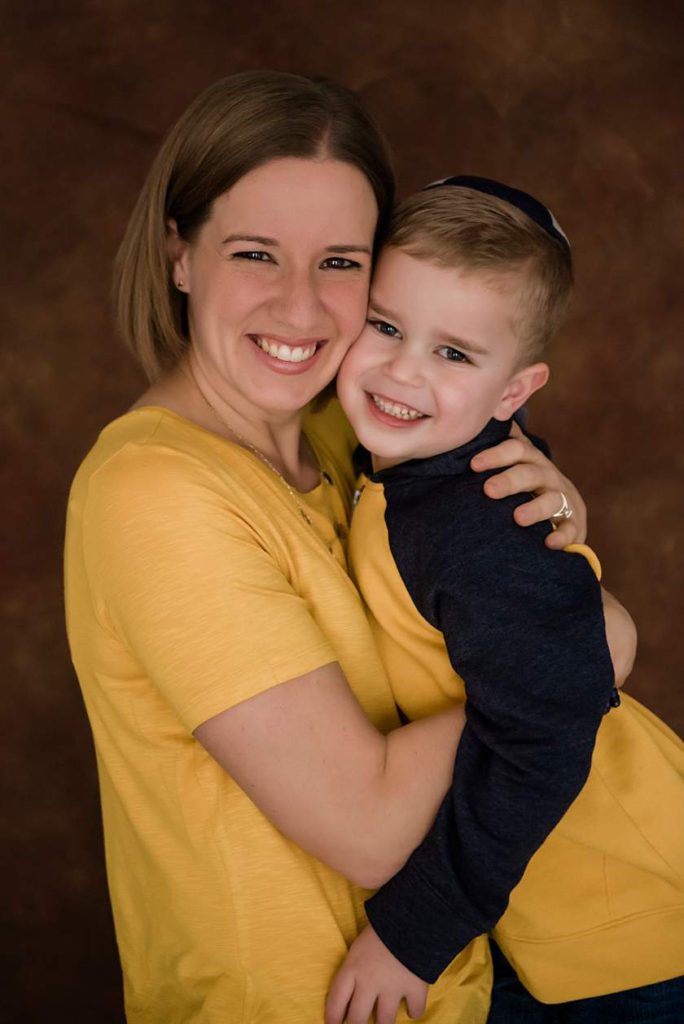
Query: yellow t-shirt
193, 583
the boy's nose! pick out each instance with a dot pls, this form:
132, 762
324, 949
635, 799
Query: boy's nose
406, 368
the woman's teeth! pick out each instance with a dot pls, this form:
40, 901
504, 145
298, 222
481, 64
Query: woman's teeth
402, 412
285, 353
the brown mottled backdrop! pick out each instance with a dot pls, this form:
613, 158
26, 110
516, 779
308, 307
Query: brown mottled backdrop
580, 102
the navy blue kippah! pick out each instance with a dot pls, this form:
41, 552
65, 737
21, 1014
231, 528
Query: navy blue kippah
535, 210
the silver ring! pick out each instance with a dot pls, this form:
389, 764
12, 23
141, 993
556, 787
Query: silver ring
564, 512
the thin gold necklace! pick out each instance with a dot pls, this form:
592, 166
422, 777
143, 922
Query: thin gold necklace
257, 451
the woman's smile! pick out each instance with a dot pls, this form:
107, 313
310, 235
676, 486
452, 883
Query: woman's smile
287, 355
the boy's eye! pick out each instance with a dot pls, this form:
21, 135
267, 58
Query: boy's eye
340, 263
452, 355
254, 254
383, 327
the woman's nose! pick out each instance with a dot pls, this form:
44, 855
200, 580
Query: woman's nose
298, 305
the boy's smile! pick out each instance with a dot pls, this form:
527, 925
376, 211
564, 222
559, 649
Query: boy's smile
438, 358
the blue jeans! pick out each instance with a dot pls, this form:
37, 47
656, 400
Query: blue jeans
662, 1003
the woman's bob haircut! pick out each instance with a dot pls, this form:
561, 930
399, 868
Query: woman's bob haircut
236, 125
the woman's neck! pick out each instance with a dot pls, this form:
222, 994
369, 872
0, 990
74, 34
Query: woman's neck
276, 436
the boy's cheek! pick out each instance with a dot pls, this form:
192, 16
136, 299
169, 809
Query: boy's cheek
345, 383
365, 353
352, 365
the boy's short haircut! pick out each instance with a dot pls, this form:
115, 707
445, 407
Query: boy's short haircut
468, 230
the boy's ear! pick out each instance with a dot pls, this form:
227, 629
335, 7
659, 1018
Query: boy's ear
519, 388
177, 250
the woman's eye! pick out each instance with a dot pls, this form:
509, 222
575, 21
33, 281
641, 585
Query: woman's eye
452, 355
340, 263
382, 327
254, 254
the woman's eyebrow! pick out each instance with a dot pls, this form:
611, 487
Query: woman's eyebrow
259, 239
348, 248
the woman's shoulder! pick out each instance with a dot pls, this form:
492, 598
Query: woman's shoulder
149, 450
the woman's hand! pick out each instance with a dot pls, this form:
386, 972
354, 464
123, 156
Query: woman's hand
372, 978
530, 470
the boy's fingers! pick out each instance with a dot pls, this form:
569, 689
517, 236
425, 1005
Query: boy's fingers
387, 1009
416, 1001
341, 991
361, 1007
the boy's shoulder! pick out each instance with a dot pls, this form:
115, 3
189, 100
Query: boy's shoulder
456, 548
443, 494
449, 519
441, 499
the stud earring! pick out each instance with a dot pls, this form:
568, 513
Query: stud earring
179, 284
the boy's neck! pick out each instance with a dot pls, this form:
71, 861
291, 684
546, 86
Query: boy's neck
379, 463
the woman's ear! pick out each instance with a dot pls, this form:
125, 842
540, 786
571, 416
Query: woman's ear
177, 251
519, 388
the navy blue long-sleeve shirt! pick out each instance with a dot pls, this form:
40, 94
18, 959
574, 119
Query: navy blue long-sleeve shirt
524, 628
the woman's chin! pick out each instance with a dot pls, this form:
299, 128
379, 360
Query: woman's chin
290, 389
291, 398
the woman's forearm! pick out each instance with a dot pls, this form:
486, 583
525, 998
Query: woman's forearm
621, 635
309, 758
416, 776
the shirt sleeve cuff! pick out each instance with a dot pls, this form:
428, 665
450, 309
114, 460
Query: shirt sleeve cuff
416, 924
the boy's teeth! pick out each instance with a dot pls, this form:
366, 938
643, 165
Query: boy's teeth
402, 412
285, 352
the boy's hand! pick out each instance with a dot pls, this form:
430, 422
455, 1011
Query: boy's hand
530, 470
371, 977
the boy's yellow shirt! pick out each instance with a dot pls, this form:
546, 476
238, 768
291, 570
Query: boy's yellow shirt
600, 907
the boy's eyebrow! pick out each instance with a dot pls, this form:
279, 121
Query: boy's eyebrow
464, 343
372, 304
444, 337
261, 240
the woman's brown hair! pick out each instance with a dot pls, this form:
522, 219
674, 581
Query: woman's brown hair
234, 126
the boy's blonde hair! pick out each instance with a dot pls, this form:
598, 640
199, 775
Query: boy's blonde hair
469, 230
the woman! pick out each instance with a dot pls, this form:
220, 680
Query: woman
250, 757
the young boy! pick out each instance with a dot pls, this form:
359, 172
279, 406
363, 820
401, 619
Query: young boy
472, 283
